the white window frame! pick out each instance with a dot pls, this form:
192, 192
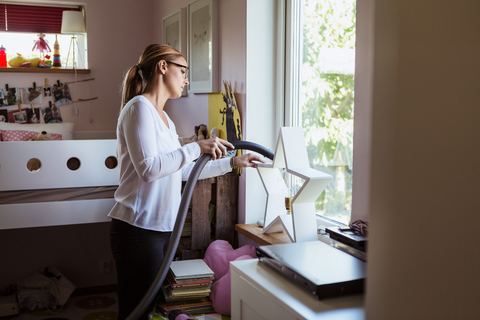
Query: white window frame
363, 85
293, 52
268, 107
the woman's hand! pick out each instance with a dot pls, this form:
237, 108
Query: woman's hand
246, 160
215, 146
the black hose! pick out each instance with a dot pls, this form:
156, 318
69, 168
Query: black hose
246, 145
180, 221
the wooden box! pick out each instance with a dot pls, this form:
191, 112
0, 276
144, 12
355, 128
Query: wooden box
222, 193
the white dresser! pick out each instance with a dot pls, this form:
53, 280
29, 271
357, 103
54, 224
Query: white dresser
259, 292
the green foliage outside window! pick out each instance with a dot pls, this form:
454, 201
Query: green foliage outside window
327, 96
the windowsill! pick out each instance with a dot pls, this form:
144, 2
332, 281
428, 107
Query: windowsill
255, 233
44, 70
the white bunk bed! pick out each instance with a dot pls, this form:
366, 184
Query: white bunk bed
74, 184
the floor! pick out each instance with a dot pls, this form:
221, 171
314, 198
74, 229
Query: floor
93, 307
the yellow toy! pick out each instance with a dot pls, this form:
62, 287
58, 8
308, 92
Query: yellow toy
42, 136
20, 61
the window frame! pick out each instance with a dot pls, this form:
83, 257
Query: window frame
81, 38
362, 98
251, 194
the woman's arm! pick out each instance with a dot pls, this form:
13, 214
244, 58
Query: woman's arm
218, 167
147, 156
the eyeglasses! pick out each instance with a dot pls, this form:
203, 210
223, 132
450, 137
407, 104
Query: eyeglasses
185, 72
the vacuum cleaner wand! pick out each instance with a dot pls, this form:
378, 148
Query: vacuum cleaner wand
180, 221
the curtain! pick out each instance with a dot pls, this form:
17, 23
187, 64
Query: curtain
31, 18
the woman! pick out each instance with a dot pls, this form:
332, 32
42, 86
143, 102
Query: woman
152, 167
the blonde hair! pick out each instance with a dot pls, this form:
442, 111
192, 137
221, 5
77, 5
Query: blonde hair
137, 77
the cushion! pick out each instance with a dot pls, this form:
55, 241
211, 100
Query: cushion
221, 291
219, 254
65, 129
23, 135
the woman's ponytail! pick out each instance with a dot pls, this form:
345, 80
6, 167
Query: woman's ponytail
132, 85
138, 76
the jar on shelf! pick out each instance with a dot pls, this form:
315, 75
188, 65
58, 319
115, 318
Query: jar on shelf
3, 57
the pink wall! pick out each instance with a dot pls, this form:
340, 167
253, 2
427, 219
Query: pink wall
187, 112
118, 31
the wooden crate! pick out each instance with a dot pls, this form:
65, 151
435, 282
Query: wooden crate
222, 191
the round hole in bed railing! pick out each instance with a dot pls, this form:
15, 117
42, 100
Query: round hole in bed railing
73, 163
111, 162
34, 165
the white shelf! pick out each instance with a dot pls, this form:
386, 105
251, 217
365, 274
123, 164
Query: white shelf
259, 292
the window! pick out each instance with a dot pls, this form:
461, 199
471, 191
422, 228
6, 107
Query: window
320, 93
21, 23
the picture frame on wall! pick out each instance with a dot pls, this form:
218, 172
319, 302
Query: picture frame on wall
174, 33
203, 46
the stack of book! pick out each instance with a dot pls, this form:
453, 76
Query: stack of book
186, 288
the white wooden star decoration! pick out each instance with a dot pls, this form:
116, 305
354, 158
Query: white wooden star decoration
291, 154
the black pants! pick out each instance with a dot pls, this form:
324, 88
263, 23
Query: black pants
138, 255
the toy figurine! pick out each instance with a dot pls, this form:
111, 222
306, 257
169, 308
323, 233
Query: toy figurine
201, 133
45, 63
41, 45
57, 63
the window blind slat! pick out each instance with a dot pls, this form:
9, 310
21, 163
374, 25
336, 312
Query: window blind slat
30, 18
2, 17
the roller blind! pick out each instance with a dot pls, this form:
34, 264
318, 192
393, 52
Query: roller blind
32, 18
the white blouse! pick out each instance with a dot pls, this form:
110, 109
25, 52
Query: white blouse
152, 166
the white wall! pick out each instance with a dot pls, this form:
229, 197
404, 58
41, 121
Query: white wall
260, 115
424, 205
362, 134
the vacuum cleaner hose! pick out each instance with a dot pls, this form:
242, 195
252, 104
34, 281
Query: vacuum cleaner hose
180, 221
